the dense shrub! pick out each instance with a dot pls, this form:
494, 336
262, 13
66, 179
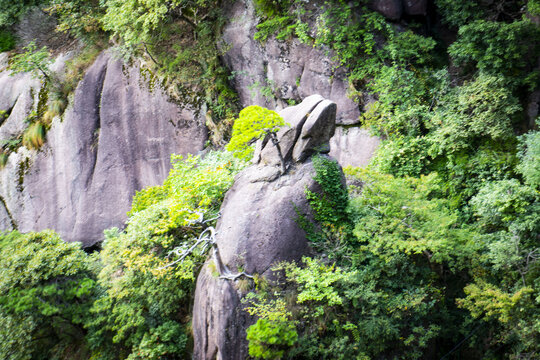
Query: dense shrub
46, 290
7, 40
144, 310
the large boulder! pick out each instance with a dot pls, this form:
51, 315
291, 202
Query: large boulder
257, 230
115, 138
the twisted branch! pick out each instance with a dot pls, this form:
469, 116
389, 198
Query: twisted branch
208, 240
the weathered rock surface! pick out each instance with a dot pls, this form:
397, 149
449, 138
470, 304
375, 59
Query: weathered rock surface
290, 69
257, 229
353, 146
17, 95
295, 117
115, 138
316, 132
293, 71
415, 7
391, 9
394, 9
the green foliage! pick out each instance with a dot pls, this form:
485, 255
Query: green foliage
269, 339
481, 109
253, 123
143, 312
11, 11
399, 216
273, 333
285, 19
81, 18
7, 41
331, 229
533, 7
500, 49
32, 60
331, 206
46, 290
457, 13
530, 158
403, 156
354, 40
135, 20
517, 312
461, 12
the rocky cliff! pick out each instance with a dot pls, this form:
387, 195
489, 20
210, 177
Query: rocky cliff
115, 138
120, 128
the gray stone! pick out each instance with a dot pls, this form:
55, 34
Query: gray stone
353, 146
291, 69
36, 25
219, 324
316, 132
115, 138
391, 9
415, 7
256, 231
294, 116
18, 96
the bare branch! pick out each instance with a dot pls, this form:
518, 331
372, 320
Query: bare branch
206, 240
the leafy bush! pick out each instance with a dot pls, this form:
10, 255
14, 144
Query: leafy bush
11, 11
7, 41
46, 289
81, 18
34, 60
269, 339
482, 109
403, 156
143, 312
253, 123
500, 49
530, 158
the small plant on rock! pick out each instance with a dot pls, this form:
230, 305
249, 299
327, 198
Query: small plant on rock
254, 123
34, 136
32, 60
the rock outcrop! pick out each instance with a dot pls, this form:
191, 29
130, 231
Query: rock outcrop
257, 229
288, 70
115, 138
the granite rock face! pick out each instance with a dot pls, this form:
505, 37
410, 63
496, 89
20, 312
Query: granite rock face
257, 229
115, 138
290, 69
353, 146
310, 122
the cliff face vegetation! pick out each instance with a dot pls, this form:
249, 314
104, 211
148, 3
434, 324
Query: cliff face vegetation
269, 179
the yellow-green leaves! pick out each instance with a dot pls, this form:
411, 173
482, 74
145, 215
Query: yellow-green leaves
253, 123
